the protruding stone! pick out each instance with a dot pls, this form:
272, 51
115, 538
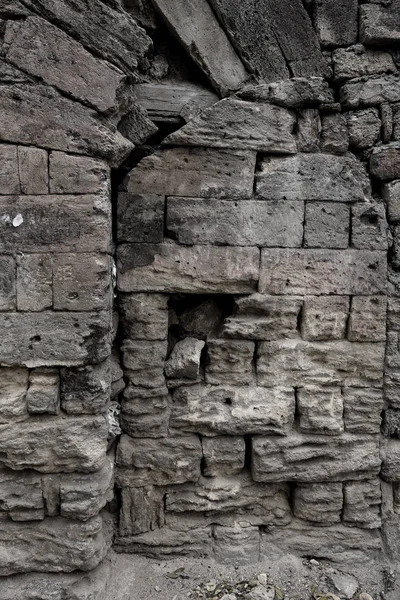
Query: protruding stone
13, 388
336, 22
385, 162
367, 321
298, 92
21, 496
391, 465
142, 509
380, 25
364, 128
184, 360
308, 130
144, 362
358, 61
136, 126
391, 194
334, 136
145, 411
372, 91
223, 455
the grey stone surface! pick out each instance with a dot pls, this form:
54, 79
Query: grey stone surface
326, 225
364, 92
8, 295
368, 226
308, 130
362, 410
13, 388
142, 510
362, 501
144, 361
229, 362
201, 320
336, 23
136, 126
364, 128
184, 360
380, 25
223, 455
385, 162
145, 411
145, 316
43, 395
33, 170
296, 92
320, 410
9, 180
167, 543
334, 134
140, 217
367, 321
319, 503
21, 496
71, 174
391, 194
391, 464
86, 390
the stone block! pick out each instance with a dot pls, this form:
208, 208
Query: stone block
70, 126
194, 172
358, 61
228, 410
368, 227
391, 423
318, 503
351, 272
309, 177
326, 225
86, 390
391, 195
144, 316
362, 410
238, 545
372, 91
308, 130
9, 179
385, 162
33, 167
140, 217
391, 464
244, 223
364, 128
299, 363
52, 545
142, 510
223, 456
296, 92
54, 444
334, 135
144, 361
167, 543
336, 23
82, 282
229, 362
324, 318
164, 461
380, 25
8, 296
54, 338
70, 174
362, 504
21, 497
367, 321
135, 125
262, 317
34, 282
320, 410
184, 360
43, 395
145, 411
55, 223
195, 269
13, 387
312, 458
241, 125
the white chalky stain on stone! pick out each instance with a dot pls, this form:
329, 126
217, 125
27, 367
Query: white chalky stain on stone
18, 220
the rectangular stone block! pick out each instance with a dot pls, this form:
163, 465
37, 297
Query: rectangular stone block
142, 510
9, 179
33, 170
70, 174
324, 318
297, 272
43, 395
336, 22
223, 456
144, 361
369, 227
140, 218
21, 497
244, 223
34, 282
391, 194
55, 223
297, 363
384, 162
364, 128
334, 135
229, 361
145, 411
8, 296
54, 444
195, 172
354, 62
13, 387
320, 410
318, 503
312, 458
86, 390
196, 269
54, 338
380, 25
362, 410
326, 225
144, 316
228, 410
373, 91
165, 542
164, 461
362, 504
82, 282
367, 321
309, 177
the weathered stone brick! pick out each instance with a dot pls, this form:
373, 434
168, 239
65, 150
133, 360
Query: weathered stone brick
285, 271
142, 510
319, 503
391, 423
223, 455
326, 225
229, 361
334, 135
391, 194
324, 318
361, 93
391, 464
9, 180
336, 22
380, 25
165, 542
34, 282
184, 360
385, 161
320, 410
8, 295
33, 170
367, 321
308, 130
13, 388
362, 500
144, 316
144, 362
362, 410
70, 174
21, 497
364, 128
236, 544
145, 411
358, 61
140, 217
86, 390
196, 269
43, 395
368, 226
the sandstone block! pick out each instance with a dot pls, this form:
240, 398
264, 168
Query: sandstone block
54, 338
362, 500
391, 464
55, 223
82, 282
70, 174
142, 510
234, 123
336, 23
373, 91
380, 25
229, 361
364, 128
297, 363
144, 362
359, 272
184, 360
309, 177
319, 503
358, 61
21, 497
8, 296
33, 170
136, 126
228, 410
34, 282
167, 543
43, 395
13, 387
368, 227
385, 162
362, 410
308, 130
223, 456
196, 269
145, 411
324, 318
164, 461
320, 410
144, 316
236, 545
367, 321
312, 458
9, 180
195, 172
298, 92
246, 223
326, 225
86, 390
140, 217
334, 134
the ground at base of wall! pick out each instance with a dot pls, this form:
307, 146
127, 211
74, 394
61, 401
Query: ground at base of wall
129, 577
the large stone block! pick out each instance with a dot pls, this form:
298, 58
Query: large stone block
144, 316
324, 318
140, 217
372, 91
144, 361
320, 410
196, 269
326, 225
70, 174
223, 455
195, 172
164, 461
33, 168
145, 411
297, 363
228, 410
55, 223
54, 338
336, 22
358, 61
359, 272
54, 444
13, 387
8, 296
53, 545
380, 25
367, 321
142, 510
234, 123
244, 223
362, 504
9, 179
362, 410
319, 503
310, 176
385, 161
34, 282
313, 458
86, 390
230, 362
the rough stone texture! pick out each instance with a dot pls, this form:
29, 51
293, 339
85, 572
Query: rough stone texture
43, 395
308, 130
358, 61
184, 360
320, 410
368, 226
391, 194
140, 217
334, 134
385, 162
380, 25
326, 225
33, 170
362, 410
364, 128
320, 503
145, 411
8, 296
145, 362
362, 501
336, 23
223, 456
145, 316
142, 510
229, 361
367, 321
86, 390
365, 92
70, 174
